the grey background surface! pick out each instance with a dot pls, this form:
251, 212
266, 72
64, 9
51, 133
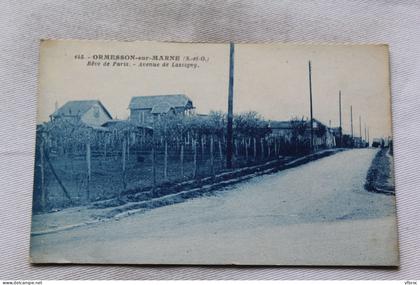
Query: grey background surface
23, 23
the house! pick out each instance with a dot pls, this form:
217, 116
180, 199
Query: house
136, 132
337, 132
126, 125
90, 112
300, 131
359, 142
282, 129
144, 108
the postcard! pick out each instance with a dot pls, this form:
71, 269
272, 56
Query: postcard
214, 154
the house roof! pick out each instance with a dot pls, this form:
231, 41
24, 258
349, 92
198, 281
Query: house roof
78, 108
280, 125
335, 130
148, 102
115, 122
288, 124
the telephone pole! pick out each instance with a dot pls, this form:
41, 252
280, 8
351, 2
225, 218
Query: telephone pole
229, 137
351, 120
360, 126
339, 112
365, 133
310, 102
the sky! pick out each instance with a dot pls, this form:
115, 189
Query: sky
271, 79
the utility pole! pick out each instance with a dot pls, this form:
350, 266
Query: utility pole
360, 126
365, 133
351, 120
339, 112
368, 136
229, 138
310, 102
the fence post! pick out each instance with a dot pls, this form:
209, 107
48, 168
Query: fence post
243, 144
154, 163
89, 169
43, 190
124, 150
182, 160
128, 147
202, 147
262, 148
165, 161
220, 152
275, 148
195, 157
246, 150
255, 148
211, 155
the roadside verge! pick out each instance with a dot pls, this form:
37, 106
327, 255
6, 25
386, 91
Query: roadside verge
380, 175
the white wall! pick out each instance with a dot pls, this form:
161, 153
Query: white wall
93, 119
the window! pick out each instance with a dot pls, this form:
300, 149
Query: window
141, 116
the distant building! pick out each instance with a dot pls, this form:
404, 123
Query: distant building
323, 137
144, 108
357, 142
283, 129
90, 112
115, 126
337, 132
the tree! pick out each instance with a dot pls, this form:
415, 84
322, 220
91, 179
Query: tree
300, 142
250, 124
299, 127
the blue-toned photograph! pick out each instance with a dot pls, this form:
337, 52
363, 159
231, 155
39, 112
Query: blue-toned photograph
214, 154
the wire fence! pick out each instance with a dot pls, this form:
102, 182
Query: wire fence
69, 174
